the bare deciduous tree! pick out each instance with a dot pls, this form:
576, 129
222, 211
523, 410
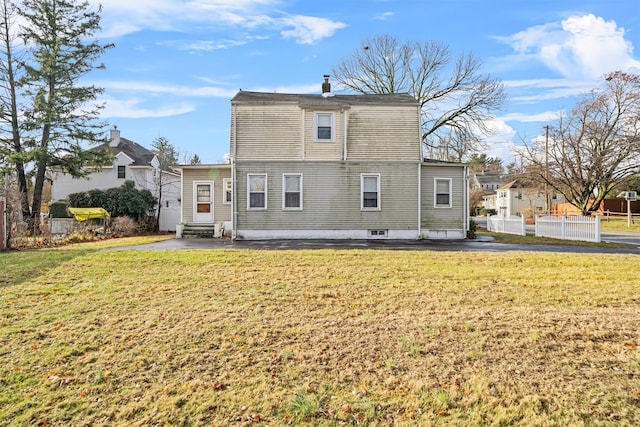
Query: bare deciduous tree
595, 147
456, 99
12, 154
167, 156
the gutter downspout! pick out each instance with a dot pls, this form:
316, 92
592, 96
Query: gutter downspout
465, 173
304, 118
419, 200
234, 180
344, 125
180, 226
419, 234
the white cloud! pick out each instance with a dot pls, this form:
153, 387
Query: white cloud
545, 116
202, 45
579, 47
133, 108
159, 89
384, 16
500, 142
121, 17
309, 29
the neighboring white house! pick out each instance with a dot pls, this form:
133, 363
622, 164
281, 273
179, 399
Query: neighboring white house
515, 197
134, 163
327, 166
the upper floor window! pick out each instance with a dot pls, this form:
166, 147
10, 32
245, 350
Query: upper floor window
442, 190
324, 124
122, 172
257, 191
370, 186
292, 191
226, 194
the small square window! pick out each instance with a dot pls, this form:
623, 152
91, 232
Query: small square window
324, 127
122, 172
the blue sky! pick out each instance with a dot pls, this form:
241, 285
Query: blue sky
177, 63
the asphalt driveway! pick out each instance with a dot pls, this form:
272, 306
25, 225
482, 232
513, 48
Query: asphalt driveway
484, 243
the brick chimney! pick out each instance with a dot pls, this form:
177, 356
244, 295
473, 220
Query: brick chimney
115, 137
326, 86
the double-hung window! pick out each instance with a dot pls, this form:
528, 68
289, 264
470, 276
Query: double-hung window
442, 191
122, 172
226, 194
324, 124
292, 191
370, 191
257, 191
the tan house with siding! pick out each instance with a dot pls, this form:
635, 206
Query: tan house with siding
327, 166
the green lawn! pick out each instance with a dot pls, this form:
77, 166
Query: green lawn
318, 337
620, 224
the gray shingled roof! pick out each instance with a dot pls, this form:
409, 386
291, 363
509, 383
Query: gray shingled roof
140, 155
334, 101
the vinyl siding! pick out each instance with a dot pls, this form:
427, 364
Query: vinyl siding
102, 179
323, 150
383, 132
221, 211
443, 218
374, 132
268, 132
331, 196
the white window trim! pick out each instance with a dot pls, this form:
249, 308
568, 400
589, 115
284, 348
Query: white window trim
315, 126
284, 208
225, 184
435, 193
362, 177
266, 202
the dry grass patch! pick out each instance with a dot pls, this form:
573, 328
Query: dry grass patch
620, 224
322, 338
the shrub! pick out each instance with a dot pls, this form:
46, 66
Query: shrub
125, 200
58, 210
80, 200
473, 226
124, 226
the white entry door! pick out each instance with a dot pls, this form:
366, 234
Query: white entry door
203, 202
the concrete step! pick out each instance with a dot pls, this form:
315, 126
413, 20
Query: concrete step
205, 230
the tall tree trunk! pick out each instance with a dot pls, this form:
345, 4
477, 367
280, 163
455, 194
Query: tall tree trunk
41, 169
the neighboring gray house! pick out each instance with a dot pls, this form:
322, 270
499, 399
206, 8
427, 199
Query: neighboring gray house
486, 181
134, 163
329, 166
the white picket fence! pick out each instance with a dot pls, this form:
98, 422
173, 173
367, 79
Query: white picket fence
586, 228
507, 224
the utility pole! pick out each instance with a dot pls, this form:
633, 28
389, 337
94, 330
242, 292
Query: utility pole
547, 204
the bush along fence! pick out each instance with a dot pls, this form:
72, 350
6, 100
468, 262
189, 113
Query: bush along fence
585, 228
507, 224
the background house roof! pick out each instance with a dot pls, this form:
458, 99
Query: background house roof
320, 101
140, 155
517, 183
